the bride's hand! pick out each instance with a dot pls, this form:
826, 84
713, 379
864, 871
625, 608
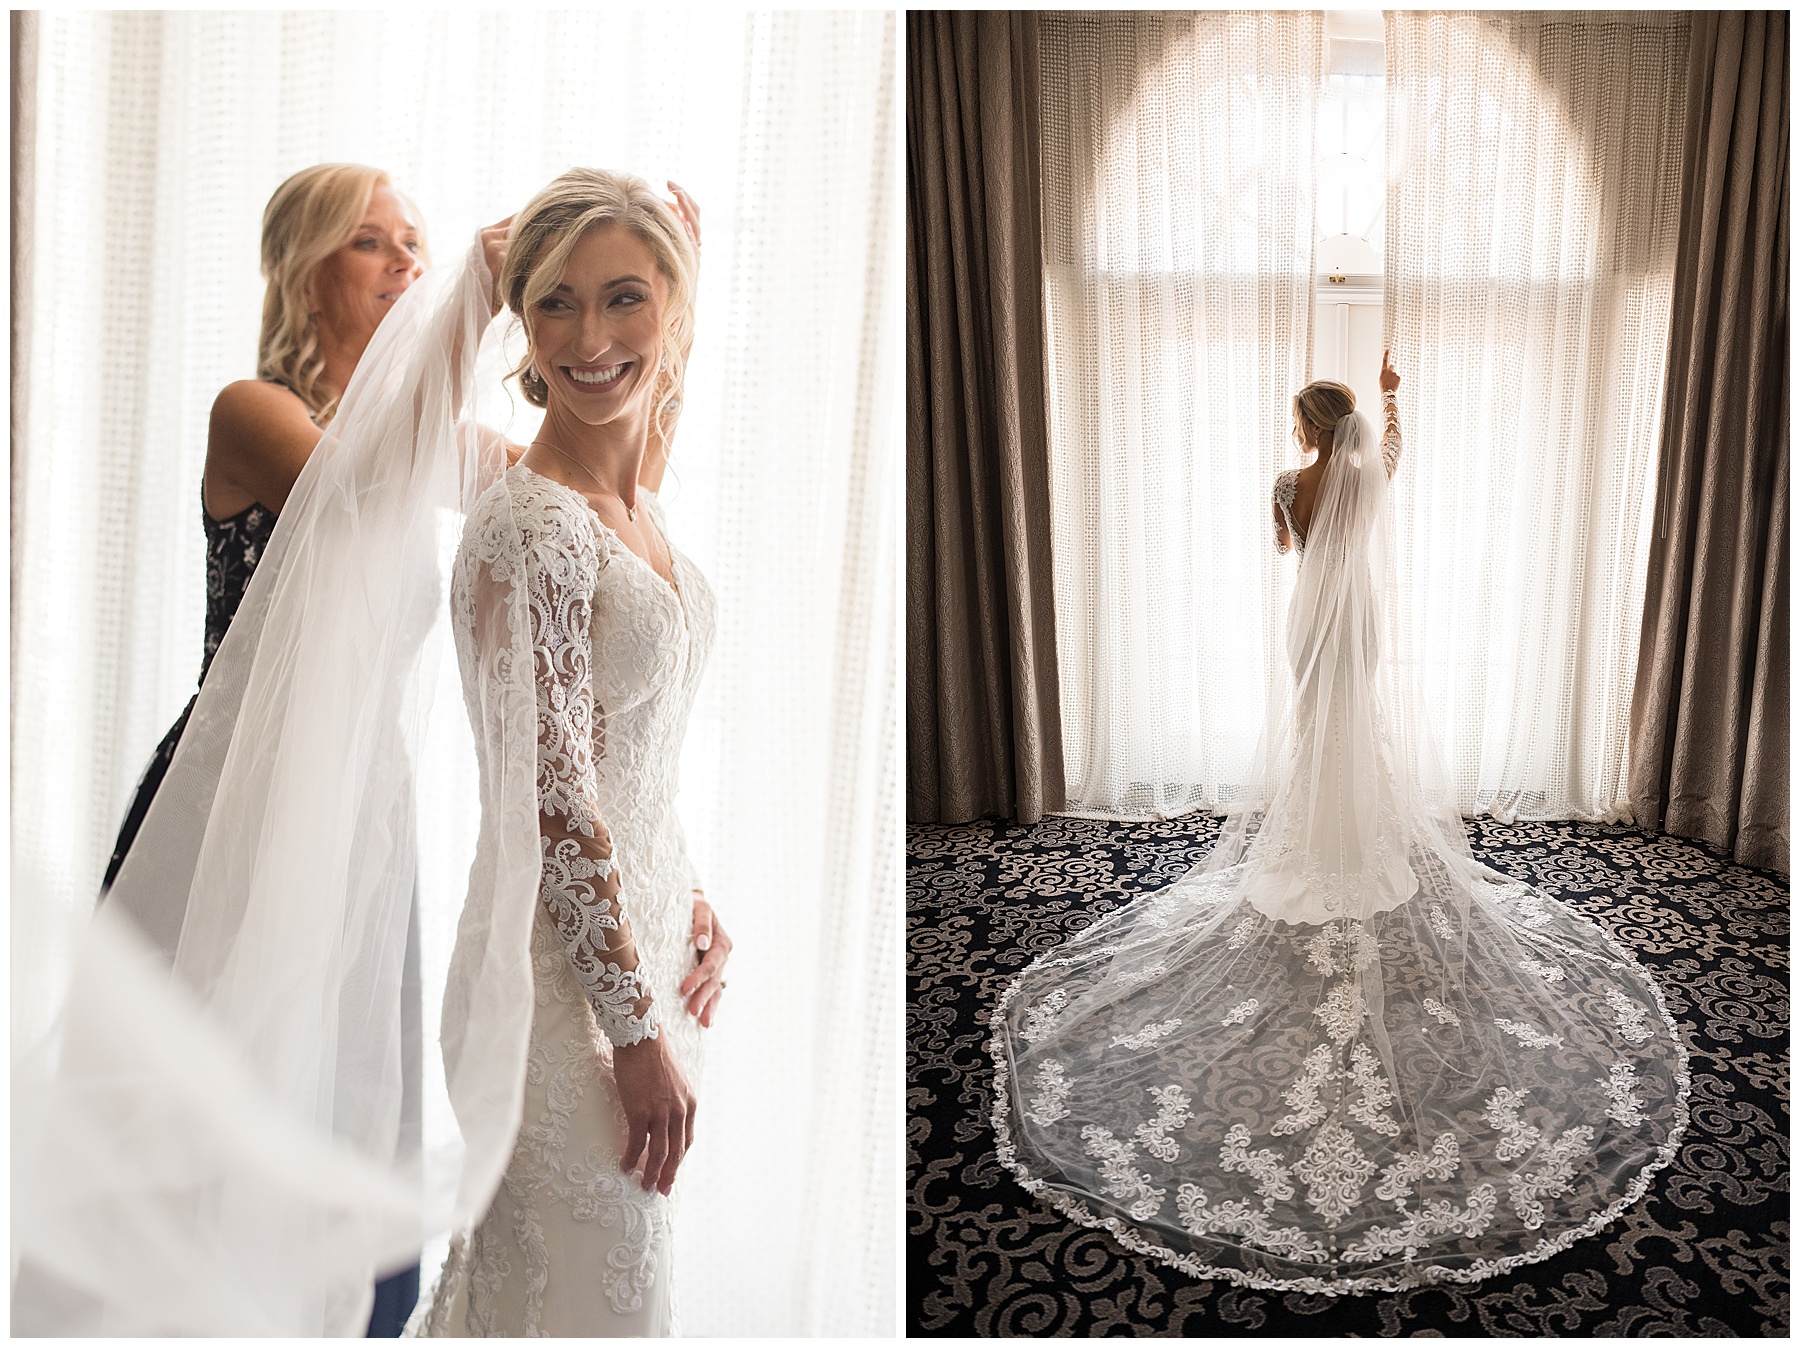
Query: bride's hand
659, 1110
493, 252
705, 981
1390, 377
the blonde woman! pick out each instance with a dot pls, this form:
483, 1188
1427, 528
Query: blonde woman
577, 1241
339, 246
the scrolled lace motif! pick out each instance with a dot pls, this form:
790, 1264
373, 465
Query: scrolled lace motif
1633, 1019
1172, 1113
1052, 1099
1148, 1035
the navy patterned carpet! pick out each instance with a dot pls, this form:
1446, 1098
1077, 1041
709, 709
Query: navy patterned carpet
1705, 1254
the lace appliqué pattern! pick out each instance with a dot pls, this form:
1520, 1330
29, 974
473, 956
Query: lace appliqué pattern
562, 563
1241, 1012
1335, 1171
1516, 1136
1041, 1019
1148, 1035
1632, 1018
1370, 1107
1531, 1038
1172, 1113
1118, 1171
1303, 1094
1439, 1012
1283, 496
1274, 1182
1621, 1087
1553, 1176
1052, 1099
1548, 972
1342, 1012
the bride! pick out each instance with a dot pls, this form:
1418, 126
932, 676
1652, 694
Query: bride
601, 275
1340, 1055
224, 1151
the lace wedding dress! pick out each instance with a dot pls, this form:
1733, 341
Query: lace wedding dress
1340, 1055
571, 1246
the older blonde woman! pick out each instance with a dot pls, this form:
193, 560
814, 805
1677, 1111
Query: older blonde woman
339, 246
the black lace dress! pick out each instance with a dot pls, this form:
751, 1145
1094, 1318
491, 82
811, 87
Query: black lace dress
233, 548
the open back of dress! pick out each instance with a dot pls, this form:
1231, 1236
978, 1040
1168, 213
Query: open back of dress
1341, 1055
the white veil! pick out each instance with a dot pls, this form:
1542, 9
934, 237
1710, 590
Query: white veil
1329, 813
1340, 1055
235, 1149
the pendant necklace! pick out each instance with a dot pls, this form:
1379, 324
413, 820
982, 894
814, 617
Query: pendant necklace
630, 511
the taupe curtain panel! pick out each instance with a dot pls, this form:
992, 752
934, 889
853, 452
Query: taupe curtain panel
1709, 713
23, 49
983, 727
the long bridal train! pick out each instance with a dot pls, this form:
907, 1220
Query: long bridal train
1341, 1055
1467, 1083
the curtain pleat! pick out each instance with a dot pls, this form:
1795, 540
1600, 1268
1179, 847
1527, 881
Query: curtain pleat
1709, 714
1533, 175
983, 720
23, 51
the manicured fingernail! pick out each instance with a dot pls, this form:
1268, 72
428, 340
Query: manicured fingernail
703, 943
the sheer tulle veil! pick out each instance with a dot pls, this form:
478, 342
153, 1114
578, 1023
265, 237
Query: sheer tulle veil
1340, 1055
233, 1148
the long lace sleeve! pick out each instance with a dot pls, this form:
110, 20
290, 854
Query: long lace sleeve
581, 877
1390, 438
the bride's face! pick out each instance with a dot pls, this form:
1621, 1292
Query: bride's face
597, 337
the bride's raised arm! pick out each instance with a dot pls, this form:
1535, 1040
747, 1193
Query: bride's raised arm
1390, 439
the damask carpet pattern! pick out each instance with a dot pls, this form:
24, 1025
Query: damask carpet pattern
1705, 1254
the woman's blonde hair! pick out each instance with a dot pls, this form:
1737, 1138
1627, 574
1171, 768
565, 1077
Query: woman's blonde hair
1321, 405
544, 235
311, 216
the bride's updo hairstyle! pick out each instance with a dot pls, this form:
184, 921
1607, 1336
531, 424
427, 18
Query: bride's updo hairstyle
1319, 407
544, 235
311, 216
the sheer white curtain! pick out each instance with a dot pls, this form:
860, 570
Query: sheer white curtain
1178, 236
1533, 164
159, 138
